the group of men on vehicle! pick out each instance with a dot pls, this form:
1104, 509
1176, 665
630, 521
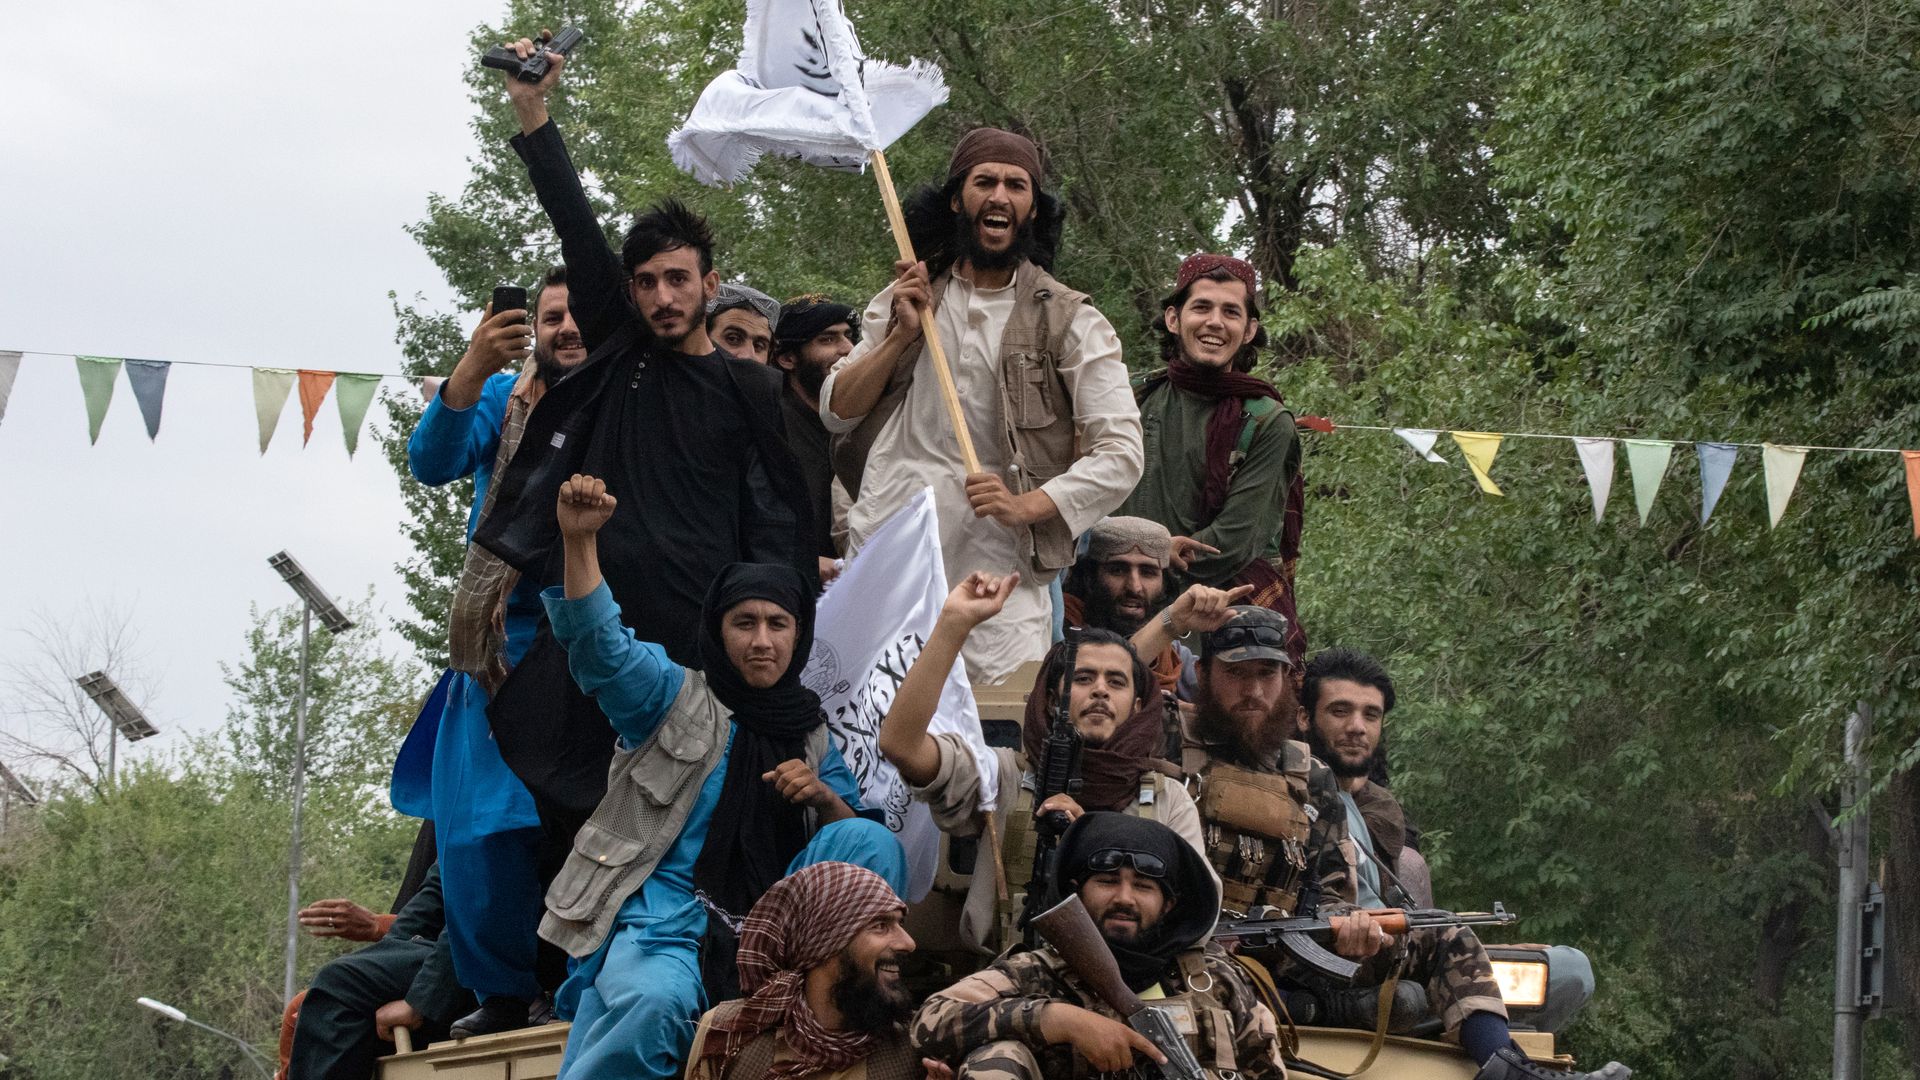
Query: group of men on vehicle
626, 765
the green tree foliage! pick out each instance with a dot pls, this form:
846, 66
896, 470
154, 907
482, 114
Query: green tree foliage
360, 701
1683, 219
172, 884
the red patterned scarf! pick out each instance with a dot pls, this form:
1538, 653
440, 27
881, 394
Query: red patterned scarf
803, 921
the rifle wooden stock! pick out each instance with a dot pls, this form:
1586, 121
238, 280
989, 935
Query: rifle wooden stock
1069, 929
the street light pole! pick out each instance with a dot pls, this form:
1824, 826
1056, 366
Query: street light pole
123, 716
1849, 1016
313, 600
253, 1052
299, 799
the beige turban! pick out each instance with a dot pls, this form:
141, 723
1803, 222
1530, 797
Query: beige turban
1119, 535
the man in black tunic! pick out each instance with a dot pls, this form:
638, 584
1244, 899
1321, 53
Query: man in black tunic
813, 334
690, 440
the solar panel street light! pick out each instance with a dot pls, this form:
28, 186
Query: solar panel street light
311, 593
126, 717
313, 601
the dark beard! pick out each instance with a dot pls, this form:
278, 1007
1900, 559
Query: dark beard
863, 1005
547, 369
1333, 761
1218, 728
1100, 608
810, 376
966, 241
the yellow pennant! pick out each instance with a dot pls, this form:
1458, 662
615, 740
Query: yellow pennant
1479, 447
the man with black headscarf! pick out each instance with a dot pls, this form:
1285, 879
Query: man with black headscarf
812, 335
1040, 381
725, 780
1149, 893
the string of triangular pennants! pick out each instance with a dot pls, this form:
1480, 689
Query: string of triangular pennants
1647, 459
353, 392
1647, 462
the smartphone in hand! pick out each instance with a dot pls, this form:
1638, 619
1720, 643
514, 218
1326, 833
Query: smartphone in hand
509, 298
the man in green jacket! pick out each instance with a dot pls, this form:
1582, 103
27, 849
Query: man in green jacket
1222, 456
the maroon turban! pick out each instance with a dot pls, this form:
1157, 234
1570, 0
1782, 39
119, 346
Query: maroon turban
1196, 267
992, 144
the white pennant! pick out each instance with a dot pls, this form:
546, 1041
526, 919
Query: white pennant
1596, 457
1422, 440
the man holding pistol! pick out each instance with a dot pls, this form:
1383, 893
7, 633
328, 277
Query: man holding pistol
1154, 903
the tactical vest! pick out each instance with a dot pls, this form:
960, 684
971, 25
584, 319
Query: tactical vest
1017, 850
1039, 435
1256, 826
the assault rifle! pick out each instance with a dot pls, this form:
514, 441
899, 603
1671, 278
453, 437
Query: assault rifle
1291, 933
1056, 773
1069, 929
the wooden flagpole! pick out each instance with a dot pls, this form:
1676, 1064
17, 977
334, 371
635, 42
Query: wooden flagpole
948, 393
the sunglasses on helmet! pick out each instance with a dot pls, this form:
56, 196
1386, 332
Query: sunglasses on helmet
1107, 860
1239, 637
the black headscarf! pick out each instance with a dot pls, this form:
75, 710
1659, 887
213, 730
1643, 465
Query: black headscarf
805, 317
754, 832
1192, 897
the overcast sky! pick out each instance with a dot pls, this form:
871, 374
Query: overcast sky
215, 181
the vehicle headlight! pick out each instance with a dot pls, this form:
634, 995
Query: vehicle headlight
1523, 983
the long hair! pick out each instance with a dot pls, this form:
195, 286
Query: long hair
931, 217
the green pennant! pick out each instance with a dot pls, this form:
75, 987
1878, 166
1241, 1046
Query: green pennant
353, 393
97, 374
1647, 459
270, 389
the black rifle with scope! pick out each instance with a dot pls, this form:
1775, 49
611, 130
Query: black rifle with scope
1056, 773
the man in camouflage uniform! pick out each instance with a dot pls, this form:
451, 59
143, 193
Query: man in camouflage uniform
1028, 1017
1346, 696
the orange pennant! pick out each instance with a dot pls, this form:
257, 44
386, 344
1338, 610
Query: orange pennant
1911, 459
313, 390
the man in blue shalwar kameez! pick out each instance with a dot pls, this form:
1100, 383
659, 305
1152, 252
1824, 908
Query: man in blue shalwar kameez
487, 825
725, 780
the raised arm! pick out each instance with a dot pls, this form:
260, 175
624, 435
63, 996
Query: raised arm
1199, 608
903, 734
634, 681
596, 281
857, 383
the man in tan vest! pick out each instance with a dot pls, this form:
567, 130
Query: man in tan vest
820, 965
1040, 381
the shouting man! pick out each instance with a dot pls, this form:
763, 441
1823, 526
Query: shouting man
725, 781
1040, 381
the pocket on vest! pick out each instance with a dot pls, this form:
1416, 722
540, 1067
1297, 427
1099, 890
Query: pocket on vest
1032, 392
598, 859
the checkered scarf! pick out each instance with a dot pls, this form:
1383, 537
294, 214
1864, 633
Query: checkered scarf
801, 923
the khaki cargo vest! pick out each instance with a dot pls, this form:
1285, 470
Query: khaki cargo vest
1256, 826
651, 790
1039, 433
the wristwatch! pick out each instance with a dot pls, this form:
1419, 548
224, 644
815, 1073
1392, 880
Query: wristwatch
1166, 620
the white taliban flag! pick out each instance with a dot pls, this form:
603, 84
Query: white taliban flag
803, 88
869, 629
